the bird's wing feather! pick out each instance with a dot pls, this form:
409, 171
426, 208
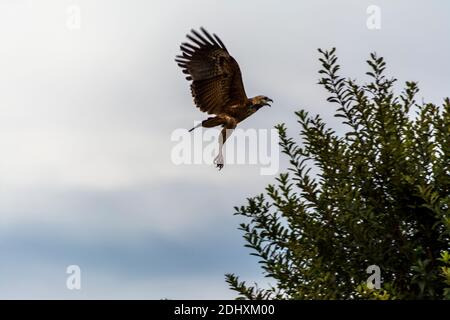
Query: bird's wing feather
216, 77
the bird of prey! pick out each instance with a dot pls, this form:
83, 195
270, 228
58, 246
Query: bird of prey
216, 86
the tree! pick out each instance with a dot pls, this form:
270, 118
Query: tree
377, 195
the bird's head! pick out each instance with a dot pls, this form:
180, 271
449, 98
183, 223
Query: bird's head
261, 101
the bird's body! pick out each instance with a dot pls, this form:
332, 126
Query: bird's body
217, 85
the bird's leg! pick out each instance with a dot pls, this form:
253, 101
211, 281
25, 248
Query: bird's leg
219, 161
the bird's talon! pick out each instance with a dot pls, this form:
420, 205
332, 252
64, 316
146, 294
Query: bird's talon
218, 161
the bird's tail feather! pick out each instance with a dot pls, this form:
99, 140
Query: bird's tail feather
199, 125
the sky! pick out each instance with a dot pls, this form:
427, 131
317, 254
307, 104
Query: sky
90, 98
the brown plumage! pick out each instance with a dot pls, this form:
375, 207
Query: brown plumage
217, 86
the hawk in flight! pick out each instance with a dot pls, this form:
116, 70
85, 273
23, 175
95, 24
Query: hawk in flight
216, 85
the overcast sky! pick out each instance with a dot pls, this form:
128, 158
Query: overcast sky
86, 117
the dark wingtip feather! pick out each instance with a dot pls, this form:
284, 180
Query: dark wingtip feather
206, 33
180, 61
189, 46
196, 41
187, 54
220, 42
200, 37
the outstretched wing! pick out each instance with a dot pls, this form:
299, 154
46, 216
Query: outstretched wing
216, 77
